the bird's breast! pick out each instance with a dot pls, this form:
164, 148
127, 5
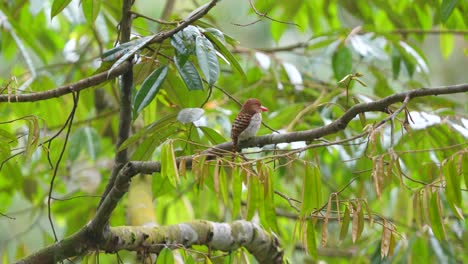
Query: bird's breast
252, 128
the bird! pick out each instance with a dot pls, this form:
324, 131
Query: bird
247, 122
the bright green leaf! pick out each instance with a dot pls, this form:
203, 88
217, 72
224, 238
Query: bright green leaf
236, 190
91, 9
165, 257
149, 89
342, 61
253, 197
168, 163
311, 190
311, 241
58, 6
447, 42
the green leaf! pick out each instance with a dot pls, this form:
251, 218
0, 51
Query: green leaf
253, 197
213, 136
453, 188
311, 241
446, 9
435, 215
168, 163
342, 61
345, 224
447, 42
396, 63
226, 53
311, 190
269, 201
58, 6
149, 89
7, 138
138, 45
236, 190
189, 74
207, 59
85, 138
33, 135
155, 127
223, 186
91, 9
165, 257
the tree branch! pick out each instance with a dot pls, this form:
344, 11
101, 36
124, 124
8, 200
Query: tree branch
125, 116
217, 236
311, 134
69, 88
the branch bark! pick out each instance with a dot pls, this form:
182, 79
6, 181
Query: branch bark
125, 115
311, 134
217, 236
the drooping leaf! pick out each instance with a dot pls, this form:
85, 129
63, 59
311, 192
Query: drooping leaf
311, 190
342, 62
91, 9
252, 196
236, 189
226, 53
358, 221
58, 6
149, 89
189, 74
345, 224
436, 219
386, 238
33, 135
325, 223
207, 59
168, 163
447, 42
453, 188
311, 241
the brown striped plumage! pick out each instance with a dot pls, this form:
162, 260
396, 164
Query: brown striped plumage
247, 122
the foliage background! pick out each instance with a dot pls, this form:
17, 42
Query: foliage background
412, 180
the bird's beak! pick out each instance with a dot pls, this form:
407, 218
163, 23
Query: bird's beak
264, 109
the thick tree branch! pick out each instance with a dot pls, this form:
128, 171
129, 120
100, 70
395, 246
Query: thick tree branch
311, 134
217, 236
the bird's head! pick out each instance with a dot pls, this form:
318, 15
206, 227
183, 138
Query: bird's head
253, 106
